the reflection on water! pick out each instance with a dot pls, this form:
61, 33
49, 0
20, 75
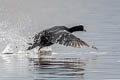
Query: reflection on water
54, 68
21, 67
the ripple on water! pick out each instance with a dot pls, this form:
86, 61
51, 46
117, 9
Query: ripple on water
58, 67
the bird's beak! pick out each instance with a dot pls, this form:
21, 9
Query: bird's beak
84, 30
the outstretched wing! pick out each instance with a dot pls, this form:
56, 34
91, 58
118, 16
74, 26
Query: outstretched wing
68, 39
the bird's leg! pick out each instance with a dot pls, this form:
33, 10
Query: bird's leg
39, 49
29, 43
29, 48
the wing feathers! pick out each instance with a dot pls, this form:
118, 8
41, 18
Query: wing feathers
68, 39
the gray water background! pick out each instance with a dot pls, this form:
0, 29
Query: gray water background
22, 18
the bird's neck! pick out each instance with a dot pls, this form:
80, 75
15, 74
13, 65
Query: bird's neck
73, 29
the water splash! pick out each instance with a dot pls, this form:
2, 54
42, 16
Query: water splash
8, 49
11, 39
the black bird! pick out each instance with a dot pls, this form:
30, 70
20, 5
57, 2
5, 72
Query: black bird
58, 34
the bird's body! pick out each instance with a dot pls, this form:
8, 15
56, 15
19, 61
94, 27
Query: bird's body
58, 34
